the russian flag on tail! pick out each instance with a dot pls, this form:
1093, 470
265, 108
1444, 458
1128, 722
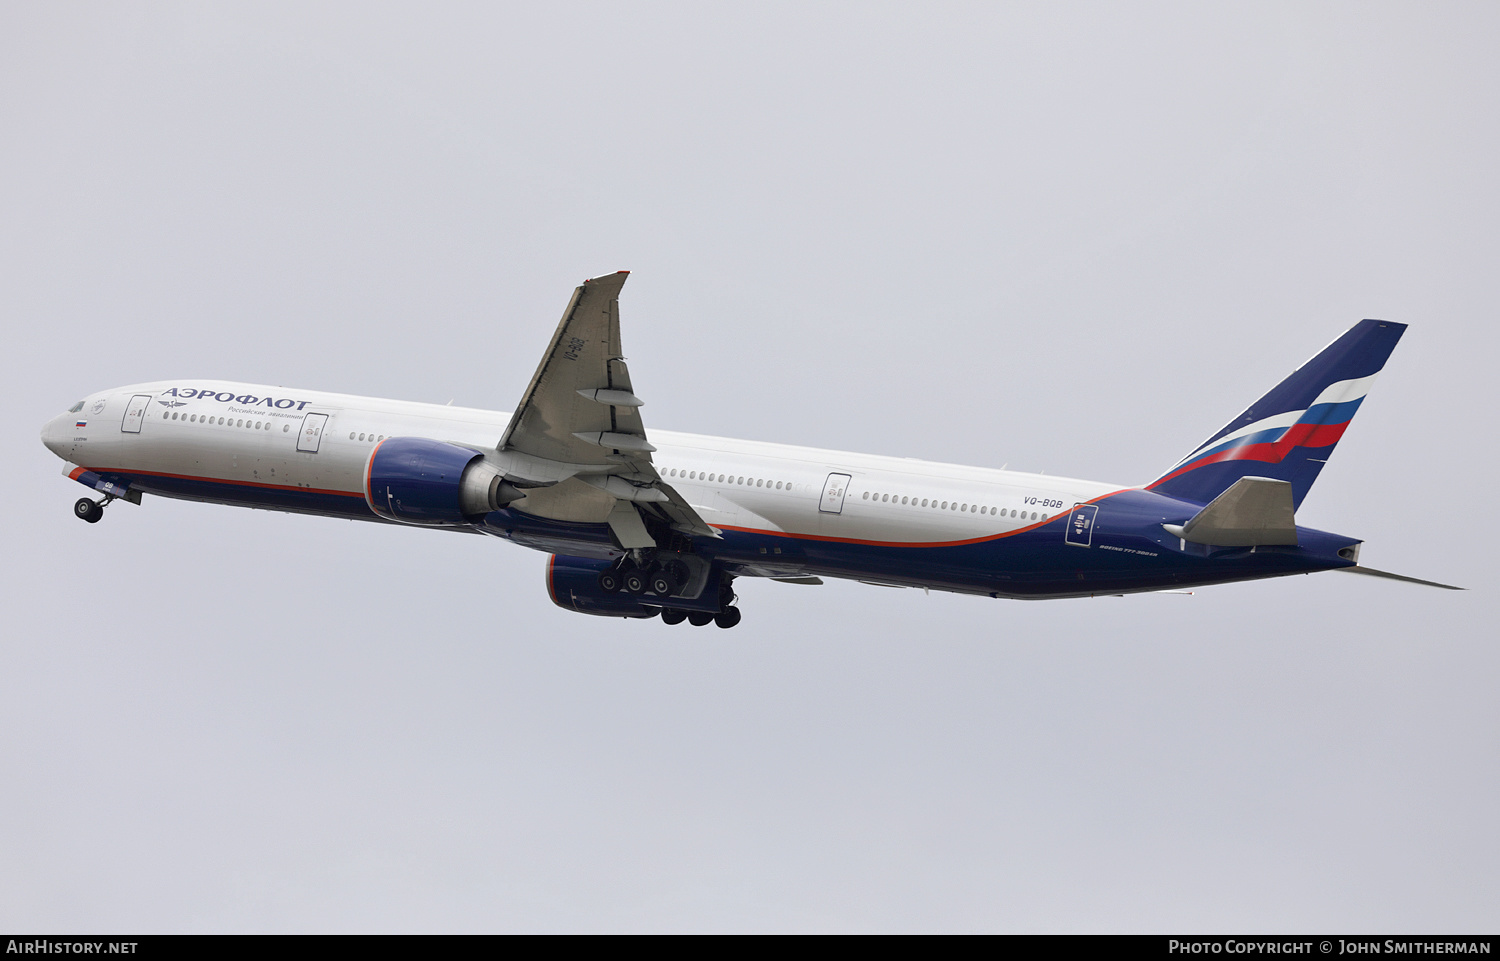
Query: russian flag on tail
1290, 432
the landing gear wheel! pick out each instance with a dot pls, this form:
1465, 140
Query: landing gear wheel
609, 581
636, 581
728, 617
699, 618
671, 615
88, 510
663, 584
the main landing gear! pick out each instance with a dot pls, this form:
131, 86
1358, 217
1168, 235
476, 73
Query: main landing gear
90, 511
726, 618
662, 580
666, 579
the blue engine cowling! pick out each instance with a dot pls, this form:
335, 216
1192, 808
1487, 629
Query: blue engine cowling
573, 585
415, 480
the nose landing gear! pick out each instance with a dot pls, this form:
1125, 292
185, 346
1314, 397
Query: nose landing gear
88, 510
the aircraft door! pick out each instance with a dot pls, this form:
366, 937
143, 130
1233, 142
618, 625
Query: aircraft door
1080, 529
834, 489
311, 434
135, 413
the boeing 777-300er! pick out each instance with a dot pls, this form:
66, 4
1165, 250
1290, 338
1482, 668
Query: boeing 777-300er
642, 525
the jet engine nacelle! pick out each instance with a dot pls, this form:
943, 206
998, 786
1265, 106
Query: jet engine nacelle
573, 584
415, 480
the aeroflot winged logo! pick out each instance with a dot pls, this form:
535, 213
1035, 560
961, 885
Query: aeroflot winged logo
230, 397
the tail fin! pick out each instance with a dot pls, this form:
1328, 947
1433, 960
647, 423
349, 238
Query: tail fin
1291, 432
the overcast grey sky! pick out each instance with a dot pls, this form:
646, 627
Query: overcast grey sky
1072, 238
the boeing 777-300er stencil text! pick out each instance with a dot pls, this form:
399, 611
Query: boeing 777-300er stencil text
642, 525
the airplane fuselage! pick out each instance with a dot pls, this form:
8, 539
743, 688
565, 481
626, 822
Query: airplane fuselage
779, 510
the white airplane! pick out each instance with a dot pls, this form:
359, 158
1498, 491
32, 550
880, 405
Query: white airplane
644, 525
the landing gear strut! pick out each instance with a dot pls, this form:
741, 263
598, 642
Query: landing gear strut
88, 510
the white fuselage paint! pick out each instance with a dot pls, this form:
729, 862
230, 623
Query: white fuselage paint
764, 486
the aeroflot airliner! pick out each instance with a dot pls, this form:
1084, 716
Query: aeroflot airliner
641, 526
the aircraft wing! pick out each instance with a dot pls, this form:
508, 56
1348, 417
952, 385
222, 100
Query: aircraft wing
580, 417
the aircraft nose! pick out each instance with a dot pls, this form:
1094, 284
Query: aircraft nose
54, 434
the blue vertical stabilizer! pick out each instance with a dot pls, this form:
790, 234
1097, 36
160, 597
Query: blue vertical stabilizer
1290, 432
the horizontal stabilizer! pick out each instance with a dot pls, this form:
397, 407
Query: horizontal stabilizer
1399, 577
1253, 512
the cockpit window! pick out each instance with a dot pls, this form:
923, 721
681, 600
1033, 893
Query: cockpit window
76, 408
